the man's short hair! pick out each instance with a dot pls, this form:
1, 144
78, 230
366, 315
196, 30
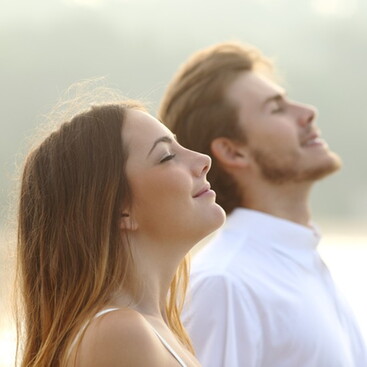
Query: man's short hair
195, 107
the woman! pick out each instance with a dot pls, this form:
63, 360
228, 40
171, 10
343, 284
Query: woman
110, 204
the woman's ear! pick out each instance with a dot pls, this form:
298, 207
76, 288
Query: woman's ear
127, 222
229, 153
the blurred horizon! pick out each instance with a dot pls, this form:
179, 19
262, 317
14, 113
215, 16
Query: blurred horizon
344, 253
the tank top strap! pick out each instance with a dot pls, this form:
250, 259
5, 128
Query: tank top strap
77, 337
163, 341
169, 348
100, 313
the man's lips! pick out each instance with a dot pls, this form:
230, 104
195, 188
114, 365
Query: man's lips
202, 191
311, 140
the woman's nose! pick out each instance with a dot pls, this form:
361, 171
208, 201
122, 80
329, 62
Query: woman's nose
202, 164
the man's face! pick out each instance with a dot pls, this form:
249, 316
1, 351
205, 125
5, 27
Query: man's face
283, 142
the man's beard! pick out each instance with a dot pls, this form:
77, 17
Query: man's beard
279, 171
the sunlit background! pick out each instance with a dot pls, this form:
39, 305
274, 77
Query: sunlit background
319, 46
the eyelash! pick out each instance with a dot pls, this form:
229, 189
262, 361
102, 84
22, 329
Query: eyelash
168, 158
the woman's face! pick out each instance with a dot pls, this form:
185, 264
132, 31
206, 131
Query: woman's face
172, 200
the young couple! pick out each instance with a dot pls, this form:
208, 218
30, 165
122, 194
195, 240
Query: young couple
113, 200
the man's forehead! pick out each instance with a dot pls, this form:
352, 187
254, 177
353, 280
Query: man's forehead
252, 87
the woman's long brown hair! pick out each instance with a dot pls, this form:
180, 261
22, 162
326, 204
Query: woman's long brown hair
71, 255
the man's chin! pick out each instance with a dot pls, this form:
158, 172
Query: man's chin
280, 172
331, 165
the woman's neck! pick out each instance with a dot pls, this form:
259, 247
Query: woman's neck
156, 265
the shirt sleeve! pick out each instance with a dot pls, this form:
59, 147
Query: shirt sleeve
356, 339
223, 323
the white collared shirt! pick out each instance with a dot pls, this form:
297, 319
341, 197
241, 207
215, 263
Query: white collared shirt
260, 296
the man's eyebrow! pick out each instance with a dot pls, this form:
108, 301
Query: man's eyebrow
276, 98
163, 139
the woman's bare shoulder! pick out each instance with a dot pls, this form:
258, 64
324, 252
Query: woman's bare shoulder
120, 338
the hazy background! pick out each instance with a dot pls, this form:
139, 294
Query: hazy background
319, 47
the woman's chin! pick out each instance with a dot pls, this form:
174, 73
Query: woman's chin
215, 219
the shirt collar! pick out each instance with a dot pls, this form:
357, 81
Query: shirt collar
274, 231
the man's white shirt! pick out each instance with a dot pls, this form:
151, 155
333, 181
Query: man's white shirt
260, 296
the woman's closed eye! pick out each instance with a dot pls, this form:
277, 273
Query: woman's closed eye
167, 158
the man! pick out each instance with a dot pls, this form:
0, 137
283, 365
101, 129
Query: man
260, 294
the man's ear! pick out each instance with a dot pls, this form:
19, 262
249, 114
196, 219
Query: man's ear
229, 153
127, 222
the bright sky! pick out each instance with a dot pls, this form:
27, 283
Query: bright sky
339, 8
333, 8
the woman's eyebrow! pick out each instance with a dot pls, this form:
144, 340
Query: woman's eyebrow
163, 139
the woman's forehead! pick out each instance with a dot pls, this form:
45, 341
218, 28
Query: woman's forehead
139, 123
141, 130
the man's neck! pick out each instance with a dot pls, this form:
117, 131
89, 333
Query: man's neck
290, 202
